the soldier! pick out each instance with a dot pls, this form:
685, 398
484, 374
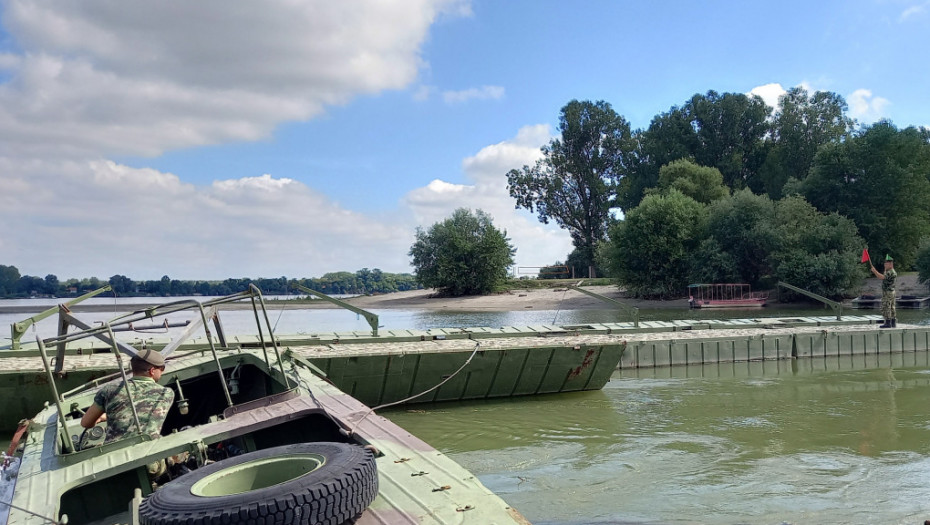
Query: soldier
152, 401
888, 279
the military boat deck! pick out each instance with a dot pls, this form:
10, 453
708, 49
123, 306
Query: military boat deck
416, 483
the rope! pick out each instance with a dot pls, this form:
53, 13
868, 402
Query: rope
559, 309
444, 381
27, 511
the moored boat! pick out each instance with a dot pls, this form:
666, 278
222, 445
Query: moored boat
256, 434
724, 295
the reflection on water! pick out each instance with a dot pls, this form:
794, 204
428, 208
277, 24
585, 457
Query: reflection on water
841, 440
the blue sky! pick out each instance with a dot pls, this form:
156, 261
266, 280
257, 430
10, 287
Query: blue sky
301, 138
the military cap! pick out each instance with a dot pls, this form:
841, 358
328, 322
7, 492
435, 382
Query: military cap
151, 357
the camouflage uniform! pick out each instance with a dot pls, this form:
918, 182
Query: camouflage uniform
152, 403
888, 306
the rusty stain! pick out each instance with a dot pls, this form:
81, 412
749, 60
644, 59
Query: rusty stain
585, 363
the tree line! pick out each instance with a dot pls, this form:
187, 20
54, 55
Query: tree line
364, 281
724, 188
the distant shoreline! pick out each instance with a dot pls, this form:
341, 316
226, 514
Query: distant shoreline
514, 300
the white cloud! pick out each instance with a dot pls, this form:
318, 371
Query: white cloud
95, 78
865, 107
537, 244
769, 93
482, 93
103, 218
913, 11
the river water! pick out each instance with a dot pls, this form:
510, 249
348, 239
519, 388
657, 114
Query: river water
808, 441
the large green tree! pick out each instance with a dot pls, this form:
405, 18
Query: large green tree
725, 131
650, 250
879, 178
801, 124
462, 255
574, 183
9, 280
701, 183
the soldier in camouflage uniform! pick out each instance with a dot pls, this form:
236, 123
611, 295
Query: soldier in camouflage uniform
888, 296
152, 401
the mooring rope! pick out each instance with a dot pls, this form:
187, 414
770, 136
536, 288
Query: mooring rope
559, 309
27, 511
444, 381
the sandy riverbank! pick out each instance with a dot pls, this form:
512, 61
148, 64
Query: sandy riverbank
560, 298
538, 299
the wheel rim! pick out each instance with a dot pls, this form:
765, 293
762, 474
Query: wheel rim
257, 474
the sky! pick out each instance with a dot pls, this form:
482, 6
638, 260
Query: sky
215, 139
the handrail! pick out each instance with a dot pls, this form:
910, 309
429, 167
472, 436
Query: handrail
632, 310
370, 317
105, 333
17, 330
837, 307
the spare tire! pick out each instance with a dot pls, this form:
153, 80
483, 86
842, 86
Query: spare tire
317, 483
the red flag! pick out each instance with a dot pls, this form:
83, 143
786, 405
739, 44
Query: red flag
865, 256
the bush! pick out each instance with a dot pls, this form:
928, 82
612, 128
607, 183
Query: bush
649, 251
462, 255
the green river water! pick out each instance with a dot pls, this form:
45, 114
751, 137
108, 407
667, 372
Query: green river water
808, 441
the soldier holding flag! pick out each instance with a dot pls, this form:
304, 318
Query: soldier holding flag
888, 278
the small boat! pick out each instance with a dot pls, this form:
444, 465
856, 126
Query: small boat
724, 295
916, 302
256, 435
912, 301
866, 301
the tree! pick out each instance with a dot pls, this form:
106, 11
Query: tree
800, 126
121, 284
724, 131
9, 279
740, 238
462, 255
649, 251
701, 183
575, 182
816, 251
51, 284
879, 178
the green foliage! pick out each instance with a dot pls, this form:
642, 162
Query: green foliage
574, 182
9, 279
742, 227
752, 239
724, 131
649, 252
817, 252
364, 281
879, 178
701, 183
800, 127
462, 255
923, 261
